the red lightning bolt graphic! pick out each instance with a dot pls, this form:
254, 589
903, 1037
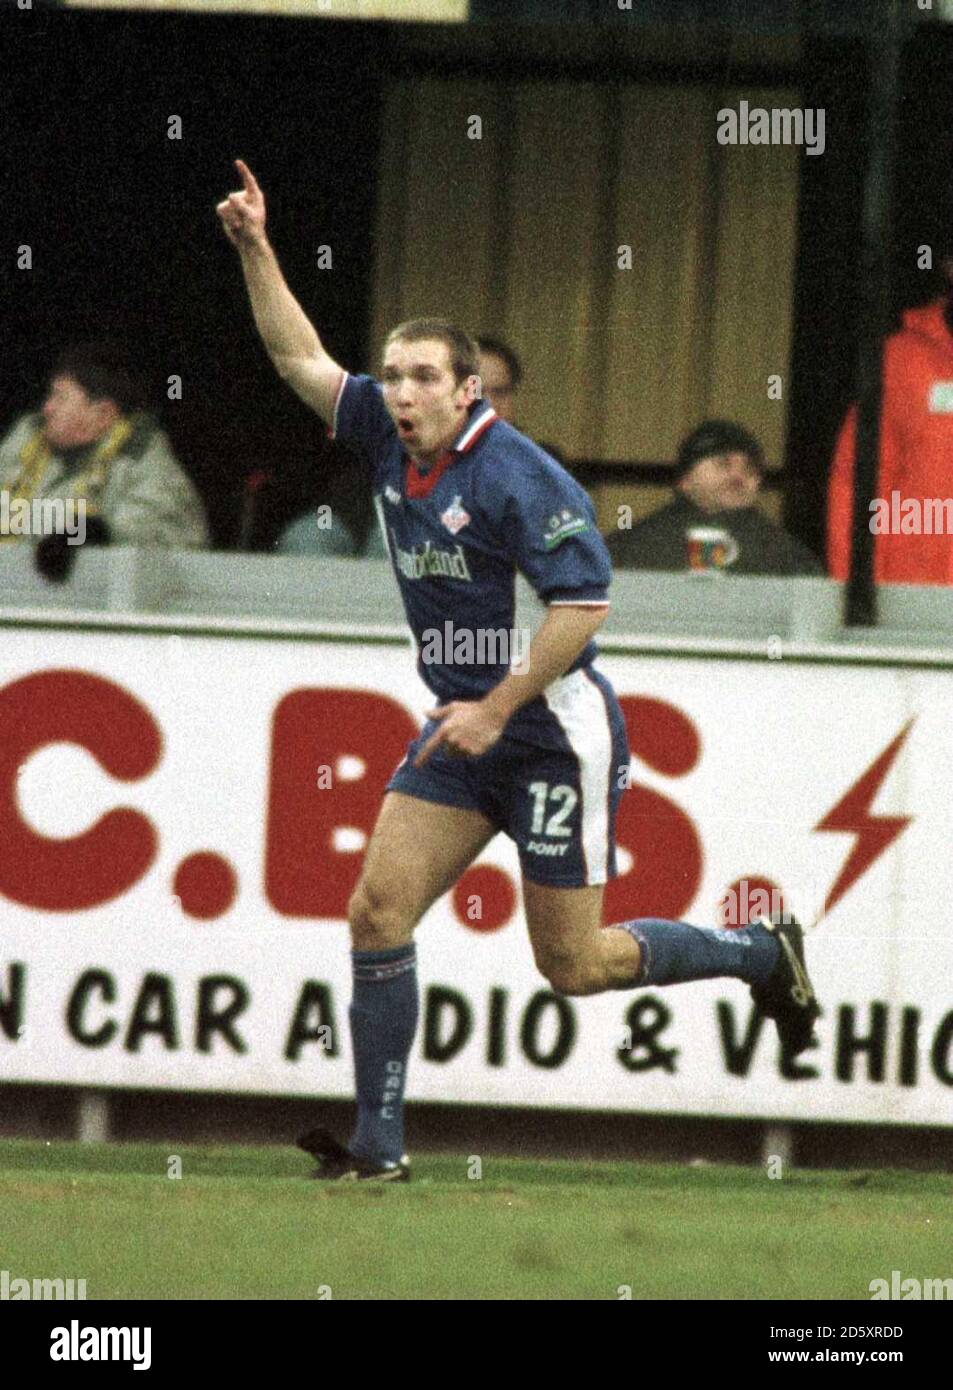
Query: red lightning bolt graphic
874, 833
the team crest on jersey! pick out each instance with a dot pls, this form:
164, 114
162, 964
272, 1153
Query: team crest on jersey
561, 527
392, 494
455, 517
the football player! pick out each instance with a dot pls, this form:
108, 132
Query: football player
465, 501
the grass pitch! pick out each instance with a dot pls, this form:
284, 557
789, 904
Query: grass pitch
241, 1223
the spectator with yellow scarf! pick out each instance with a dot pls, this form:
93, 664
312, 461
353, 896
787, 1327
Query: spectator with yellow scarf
92, 442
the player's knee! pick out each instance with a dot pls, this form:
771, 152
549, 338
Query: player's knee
568, 976
376, 922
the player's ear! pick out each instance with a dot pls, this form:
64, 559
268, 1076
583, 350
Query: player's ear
474, 388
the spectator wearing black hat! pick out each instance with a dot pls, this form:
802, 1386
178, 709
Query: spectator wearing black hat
714, 525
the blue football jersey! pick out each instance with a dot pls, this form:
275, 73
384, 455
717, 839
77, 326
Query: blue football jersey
492, 505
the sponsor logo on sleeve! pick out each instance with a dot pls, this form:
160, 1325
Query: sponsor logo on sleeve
560, 527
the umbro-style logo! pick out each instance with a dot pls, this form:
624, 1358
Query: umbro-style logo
392, 495
455, 517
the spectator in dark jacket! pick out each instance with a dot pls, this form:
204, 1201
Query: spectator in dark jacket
714, 525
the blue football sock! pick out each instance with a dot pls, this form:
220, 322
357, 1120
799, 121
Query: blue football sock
674, 952
383, 1016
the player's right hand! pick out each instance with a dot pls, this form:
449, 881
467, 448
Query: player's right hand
242, 214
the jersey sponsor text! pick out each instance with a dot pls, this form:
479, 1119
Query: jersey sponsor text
427, 561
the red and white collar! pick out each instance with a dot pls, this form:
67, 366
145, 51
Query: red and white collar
473, 429
419, 484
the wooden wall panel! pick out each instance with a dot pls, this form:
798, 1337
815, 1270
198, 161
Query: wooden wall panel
753, 282
552, 311
656, 324
438, 247
517, 234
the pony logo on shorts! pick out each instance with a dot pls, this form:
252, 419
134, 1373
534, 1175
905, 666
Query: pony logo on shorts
540, 847
455, 517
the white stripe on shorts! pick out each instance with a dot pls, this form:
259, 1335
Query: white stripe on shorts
577, 704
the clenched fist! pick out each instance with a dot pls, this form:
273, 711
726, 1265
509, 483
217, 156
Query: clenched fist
242, 214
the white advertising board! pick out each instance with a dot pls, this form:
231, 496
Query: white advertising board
182, 821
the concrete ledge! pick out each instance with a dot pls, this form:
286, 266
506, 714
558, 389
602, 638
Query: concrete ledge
296, 596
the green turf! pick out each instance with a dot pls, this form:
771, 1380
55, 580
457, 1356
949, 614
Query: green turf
242, 1223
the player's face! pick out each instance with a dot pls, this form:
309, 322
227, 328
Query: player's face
70, 418
722, 482
497, 384
422, 396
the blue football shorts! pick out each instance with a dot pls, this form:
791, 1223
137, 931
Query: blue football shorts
553, 785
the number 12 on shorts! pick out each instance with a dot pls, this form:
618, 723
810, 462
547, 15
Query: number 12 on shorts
562, 797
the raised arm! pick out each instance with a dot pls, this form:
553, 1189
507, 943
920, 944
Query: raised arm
286, 331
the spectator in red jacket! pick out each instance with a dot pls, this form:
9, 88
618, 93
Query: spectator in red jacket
912, 513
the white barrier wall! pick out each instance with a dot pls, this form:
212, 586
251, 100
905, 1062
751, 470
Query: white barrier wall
182, 819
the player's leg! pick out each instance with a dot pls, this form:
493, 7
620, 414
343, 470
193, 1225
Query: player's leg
561, 811
565, 865
578, 956
571, 948
562, 816
417, 852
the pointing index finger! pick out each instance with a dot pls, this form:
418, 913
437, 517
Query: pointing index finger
435, 738
248, 178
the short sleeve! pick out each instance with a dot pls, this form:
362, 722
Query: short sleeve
552, 529
360, 414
